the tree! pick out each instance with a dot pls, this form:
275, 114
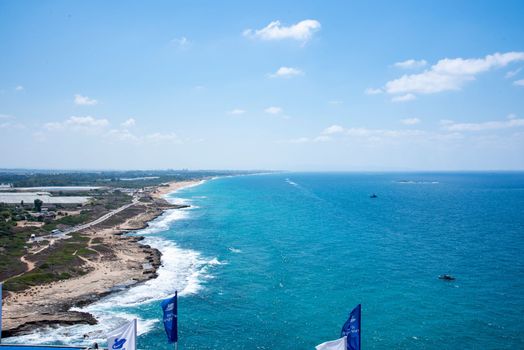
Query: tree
38, 205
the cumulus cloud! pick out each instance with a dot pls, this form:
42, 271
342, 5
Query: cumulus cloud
519, 82
450, 74
301, 31
286, 72
404, 98
372, 91
511, 122
122, 135
411, 64
129, 123
410, 121
333, 129
273, 110
180, 43
78, 123
19, 88
237, 111
84, 100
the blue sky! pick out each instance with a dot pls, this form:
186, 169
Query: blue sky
303, 85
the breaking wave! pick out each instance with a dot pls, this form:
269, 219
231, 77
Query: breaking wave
184, 270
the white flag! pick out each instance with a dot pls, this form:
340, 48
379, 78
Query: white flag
123, 338
339, 344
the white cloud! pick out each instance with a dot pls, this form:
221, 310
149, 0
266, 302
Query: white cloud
367, 132
237, 111
411, 64
129, 123
512, 73
286, 72
181, 42
273, 110
335, 102
322, 138
159, 137
450, 74
301, 31
511, 122
410, 121
84, 100
78, 123
6, 116
372, 91
122, 135
404, 98
428, 82
19, 88
333, 129
519, 82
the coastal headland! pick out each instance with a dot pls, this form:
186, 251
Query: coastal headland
111, 261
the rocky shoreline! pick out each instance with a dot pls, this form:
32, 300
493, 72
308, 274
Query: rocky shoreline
127, 263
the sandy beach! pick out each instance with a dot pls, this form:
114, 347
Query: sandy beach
161, 191
120, 261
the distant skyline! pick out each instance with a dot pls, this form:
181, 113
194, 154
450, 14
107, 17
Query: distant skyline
308, 86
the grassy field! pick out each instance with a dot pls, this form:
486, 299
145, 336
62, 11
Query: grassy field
61, 261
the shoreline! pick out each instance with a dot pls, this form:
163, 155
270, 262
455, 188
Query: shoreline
126, 263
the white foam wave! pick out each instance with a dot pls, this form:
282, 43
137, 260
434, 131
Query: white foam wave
235, 250
184, 270
163, 222
412, 182
292, 183
74, 334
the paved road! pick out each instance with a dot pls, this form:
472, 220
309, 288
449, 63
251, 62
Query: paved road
52, 238
102, 218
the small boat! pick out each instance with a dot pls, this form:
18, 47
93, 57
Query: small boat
373, 196
446, 277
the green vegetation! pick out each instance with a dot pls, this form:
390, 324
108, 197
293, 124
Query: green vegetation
59, 262
124, 179
12, 242
38, 205
70, 220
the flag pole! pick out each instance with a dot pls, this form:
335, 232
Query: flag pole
1, 300
176, 319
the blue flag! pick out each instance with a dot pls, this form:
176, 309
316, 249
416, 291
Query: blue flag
351, 329
1, 312
170, 309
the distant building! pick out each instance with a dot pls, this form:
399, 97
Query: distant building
51, 202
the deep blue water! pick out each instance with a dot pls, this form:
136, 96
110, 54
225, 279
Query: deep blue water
277, 262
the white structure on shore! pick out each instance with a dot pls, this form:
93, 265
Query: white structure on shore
28, 198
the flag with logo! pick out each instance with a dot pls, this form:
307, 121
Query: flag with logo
123, 338
351, 329
170, 319
339, 344
1, 312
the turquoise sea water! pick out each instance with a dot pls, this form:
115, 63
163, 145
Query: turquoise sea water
277, 262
